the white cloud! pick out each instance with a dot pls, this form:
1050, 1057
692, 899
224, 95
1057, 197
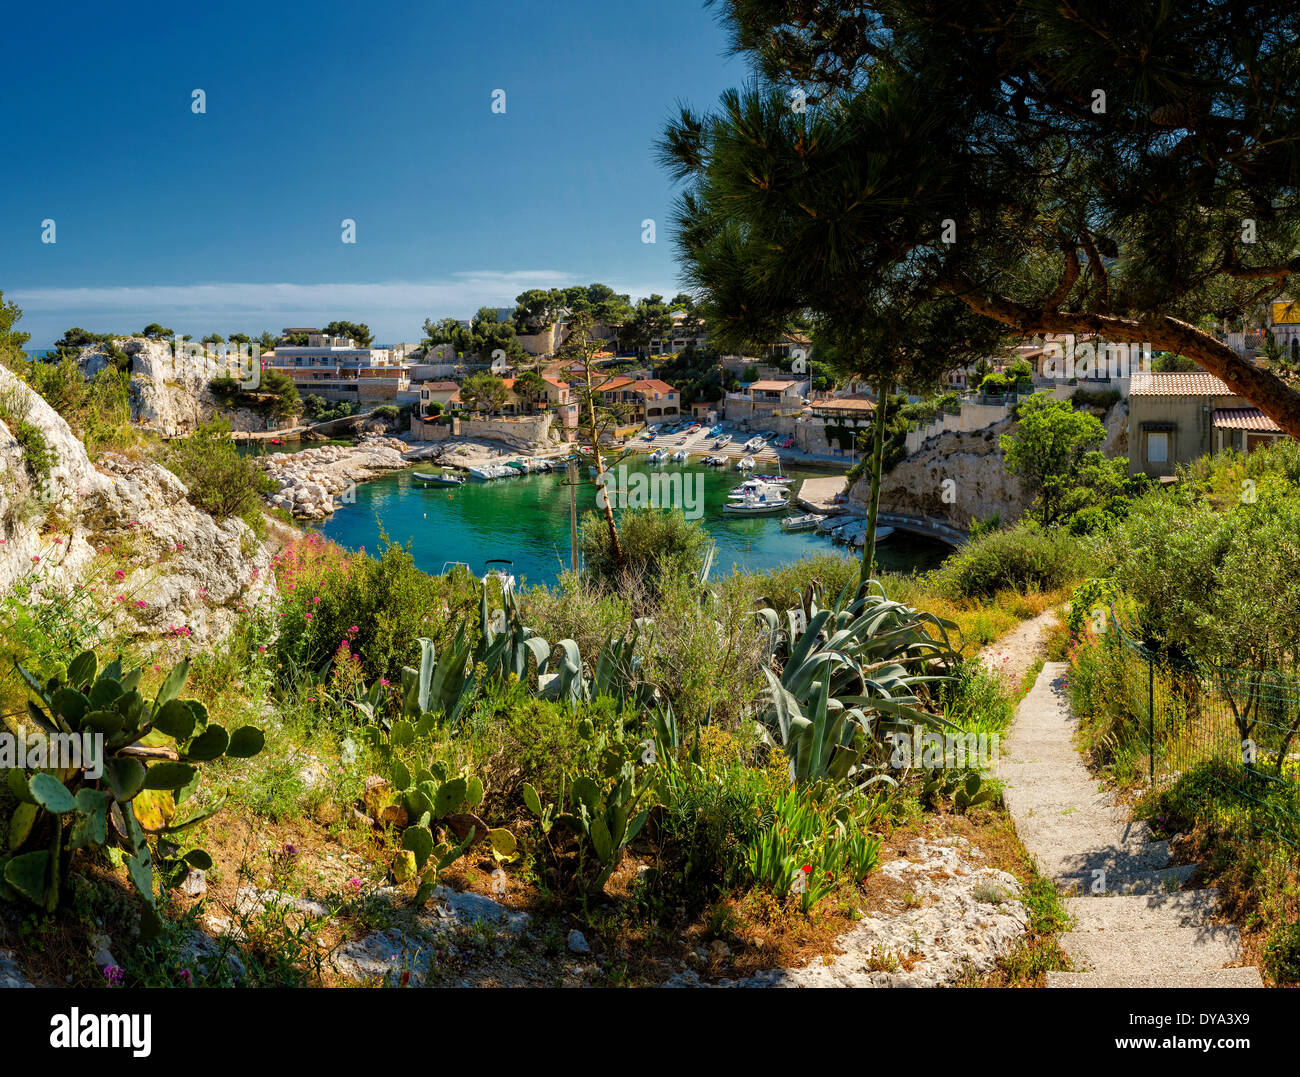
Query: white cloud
395, 310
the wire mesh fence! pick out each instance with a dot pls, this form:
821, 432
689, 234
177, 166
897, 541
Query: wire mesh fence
1238, 728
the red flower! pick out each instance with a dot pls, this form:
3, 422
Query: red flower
806, 869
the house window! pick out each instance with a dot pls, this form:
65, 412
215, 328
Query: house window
1157, 448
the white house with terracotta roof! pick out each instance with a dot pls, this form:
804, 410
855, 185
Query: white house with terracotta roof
1176, 418
650, 399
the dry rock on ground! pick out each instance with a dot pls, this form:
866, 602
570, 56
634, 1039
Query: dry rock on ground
10, 974
961, 917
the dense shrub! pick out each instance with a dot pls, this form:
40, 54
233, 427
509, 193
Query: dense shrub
656, 544
221, 482
379, 607
1020, 559
1217, 580
516, 738
783, 586
709, 820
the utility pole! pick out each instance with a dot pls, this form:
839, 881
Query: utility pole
573, 513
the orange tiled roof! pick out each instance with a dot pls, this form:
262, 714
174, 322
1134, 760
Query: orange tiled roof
846, 403
1194, 384
1244, 419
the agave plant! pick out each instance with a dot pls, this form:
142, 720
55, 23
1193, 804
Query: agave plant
852, 673
129, 788
506, 647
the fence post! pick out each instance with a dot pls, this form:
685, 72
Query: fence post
1151, 719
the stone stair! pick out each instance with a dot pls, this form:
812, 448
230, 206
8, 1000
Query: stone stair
1134, 924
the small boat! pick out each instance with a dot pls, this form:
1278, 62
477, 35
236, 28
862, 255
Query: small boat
860, 538
722, 441
501, 570
658, 456
438, 480
680, 456
716, 461
745, 464
776, 480
831, 523
519, 465
754, 487
806, 522
757, 506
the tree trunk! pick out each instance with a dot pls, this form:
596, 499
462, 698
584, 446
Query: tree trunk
873, 502
1270, 394
607, 507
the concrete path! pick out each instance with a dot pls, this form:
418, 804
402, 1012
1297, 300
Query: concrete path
1135, 926
1014, 653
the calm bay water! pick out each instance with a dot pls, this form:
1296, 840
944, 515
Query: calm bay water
526, 520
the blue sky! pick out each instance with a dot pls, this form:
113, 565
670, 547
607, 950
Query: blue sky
378, 112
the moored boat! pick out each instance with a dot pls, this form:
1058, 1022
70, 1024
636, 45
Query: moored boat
438, 480
757, 506
806, 522
745, 464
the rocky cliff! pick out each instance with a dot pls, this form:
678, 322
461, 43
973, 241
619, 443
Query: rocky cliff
955, 477
156, 564
169, 394
962, 477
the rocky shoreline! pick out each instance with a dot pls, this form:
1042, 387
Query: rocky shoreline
313, 483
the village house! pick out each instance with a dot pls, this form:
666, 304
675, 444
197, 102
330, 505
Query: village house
1176, 418
649, 399
444, 393
765, 397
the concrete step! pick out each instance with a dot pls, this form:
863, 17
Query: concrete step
1235, 977
1123, 876
1185, 908
1166, 948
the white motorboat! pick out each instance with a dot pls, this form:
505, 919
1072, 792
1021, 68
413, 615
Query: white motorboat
753, 488
757, 506
726, 438
491, 471
658, 456
681, 456
717, 460
438, 480
745, 464
830, 524
806, 522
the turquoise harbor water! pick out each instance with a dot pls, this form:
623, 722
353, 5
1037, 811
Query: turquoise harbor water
526, 520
